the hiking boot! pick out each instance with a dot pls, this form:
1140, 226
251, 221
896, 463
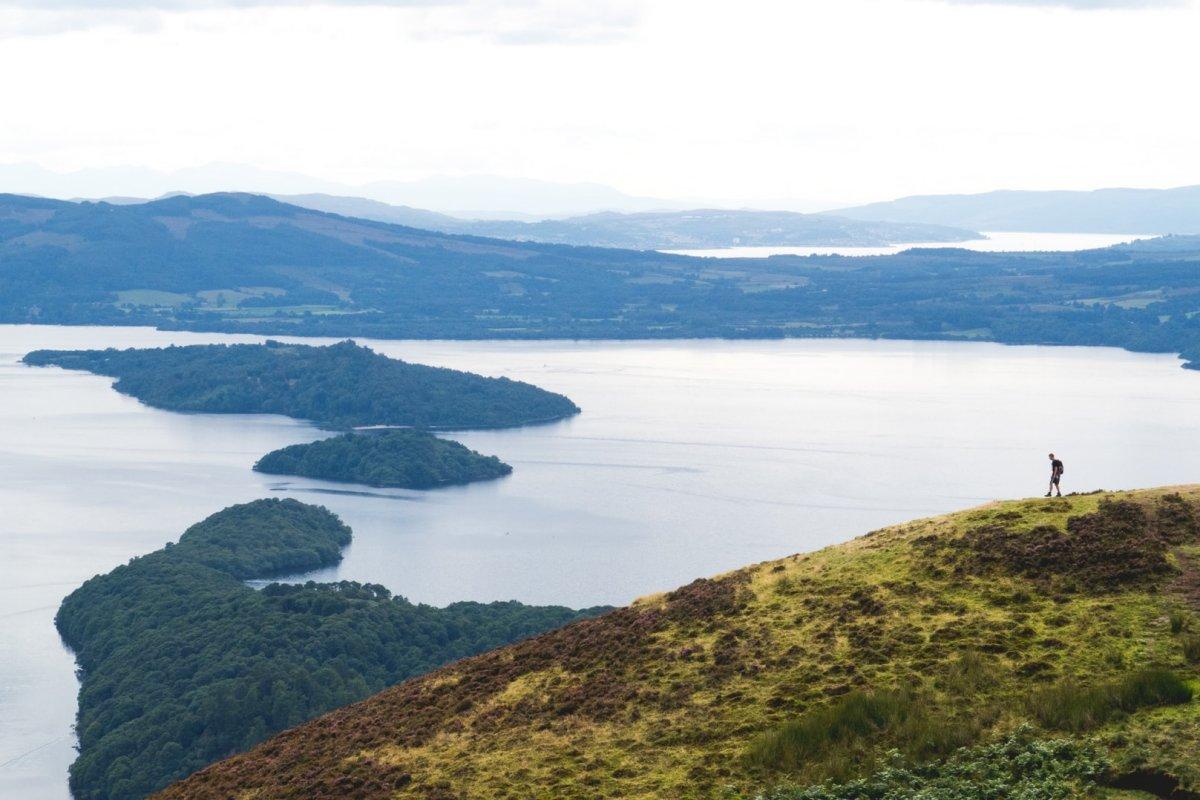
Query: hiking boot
1047, 494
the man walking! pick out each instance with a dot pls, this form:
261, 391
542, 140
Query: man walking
1056, 471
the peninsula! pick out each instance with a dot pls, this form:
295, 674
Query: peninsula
183, 664
337, 386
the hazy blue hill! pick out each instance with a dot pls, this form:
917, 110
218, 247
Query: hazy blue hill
1185, 245
706, 228
404, 459
13, 204
365, 208
211, 260
655, 230
1100, 211
339, 386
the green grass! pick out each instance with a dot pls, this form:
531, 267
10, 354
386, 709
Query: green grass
812, 669
223, 298
856, 716
1191, 648
830, 740
1071, 706
969, 674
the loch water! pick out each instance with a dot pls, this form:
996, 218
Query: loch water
690, 458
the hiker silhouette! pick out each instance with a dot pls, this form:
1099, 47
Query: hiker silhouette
1056, 471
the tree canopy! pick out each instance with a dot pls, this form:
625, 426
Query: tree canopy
405, 459
182, 664
339, 386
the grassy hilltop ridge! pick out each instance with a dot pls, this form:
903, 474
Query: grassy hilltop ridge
1075, 619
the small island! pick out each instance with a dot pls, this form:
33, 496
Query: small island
402, 459
339, 386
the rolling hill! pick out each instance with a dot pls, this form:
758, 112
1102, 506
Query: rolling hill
1099, 211
655, 230
375, 210
477, 195
246, 263
1057, 639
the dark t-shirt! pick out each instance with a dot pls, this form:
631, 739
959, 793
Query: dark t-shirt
1056, 467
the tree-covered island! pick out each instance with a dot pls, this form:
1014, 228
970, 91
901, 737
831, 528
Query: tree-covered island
342, 385
404, 459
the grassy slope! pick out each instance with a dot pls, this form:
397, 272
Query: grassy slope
665, 698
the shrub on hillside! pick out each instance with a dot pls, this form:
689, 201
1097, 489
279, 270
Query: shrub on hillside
1019, 767
1070, 706
831, 740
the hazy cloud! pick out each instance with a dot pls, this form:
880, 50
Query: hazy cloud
699, 99
1085, 5
17, 21
533, 22
518, 22
200, 5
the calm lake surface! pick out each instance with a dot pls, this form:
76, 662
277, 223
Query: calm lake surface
690, 458
996, 242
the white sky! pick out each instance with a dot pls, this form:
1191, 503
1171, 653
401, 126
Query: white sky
825, 101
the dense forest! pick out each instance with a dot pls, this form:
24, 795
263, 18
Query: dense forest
338, 386
405, 459
183, 664
251, 264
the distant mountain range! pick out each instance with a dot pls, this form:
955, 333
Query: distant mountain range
248, 263
474, 196
576, 213
652, 230
1100, 211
